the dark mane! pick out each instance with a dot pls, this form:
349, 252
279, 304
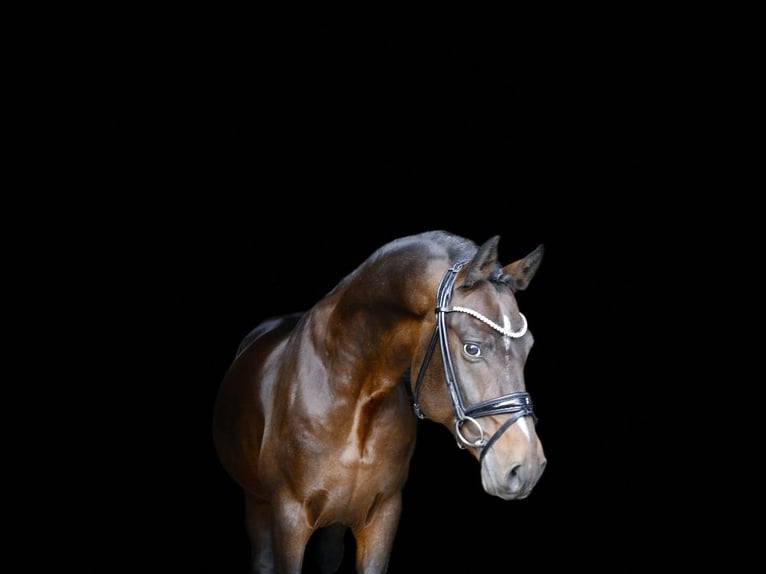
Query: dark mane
457, 248
428, 244
460, 248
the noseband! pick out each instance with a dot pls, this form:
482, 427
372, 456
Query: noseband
519, 404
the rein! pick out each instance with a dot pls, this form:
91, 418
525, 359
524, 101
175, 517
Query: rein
519, 403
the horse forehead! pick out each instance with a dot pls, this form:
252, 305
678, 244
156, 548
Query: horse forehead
493, 301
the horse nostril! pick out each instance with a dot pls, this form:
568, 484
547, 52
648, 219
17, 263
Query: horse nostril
542, 466
514, 478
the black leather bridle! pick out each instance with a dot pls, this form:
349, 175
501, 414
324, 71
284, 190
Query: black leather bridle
519, 404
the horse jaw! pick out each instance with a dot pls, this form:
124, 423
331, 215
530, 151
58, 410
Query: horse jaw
512, 467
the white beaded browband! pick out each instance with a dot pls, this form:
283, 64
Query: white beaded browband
490, 322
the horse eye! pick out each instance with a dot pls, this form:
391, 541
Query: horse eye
472, 349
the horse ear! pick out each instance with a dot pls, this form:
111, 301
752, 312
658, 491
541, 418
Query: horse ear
523, 270
483, 262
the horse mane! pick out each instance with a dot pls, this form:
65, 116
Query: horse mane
457, 248
439, 243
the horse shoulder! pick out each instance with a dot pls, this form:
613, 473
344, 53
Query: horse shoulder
244, 399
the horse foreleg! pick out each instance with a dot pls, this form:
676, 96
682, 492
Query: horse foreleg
291, 533
375, 538
258, 515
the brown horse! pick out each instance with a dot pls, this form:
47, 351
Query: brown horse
314, 418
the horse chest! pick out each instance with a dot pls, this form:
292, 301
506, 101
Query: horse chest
347, 489
358, 449
341, 464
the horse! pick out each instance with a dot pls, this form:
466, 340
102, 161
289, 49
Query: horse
316, 417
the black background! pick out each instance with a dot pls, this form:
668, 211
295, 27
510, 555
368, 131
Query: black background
200, 171
246, 192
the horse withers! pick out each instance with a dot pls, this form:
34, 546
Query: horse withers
316, 417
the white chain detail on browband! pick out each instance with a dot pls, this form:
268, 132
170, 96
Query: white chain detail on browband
491, 323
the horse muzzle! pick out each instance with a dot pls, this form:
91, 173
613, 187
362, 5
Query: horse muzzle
514, 481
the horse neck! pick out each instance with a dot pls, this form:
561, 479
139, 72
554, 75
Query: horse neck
376, 316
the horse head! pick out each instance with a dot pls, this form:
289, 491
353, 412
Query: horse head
484, 341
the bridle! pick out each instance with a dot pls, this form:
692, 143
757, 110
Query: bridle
518, 403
